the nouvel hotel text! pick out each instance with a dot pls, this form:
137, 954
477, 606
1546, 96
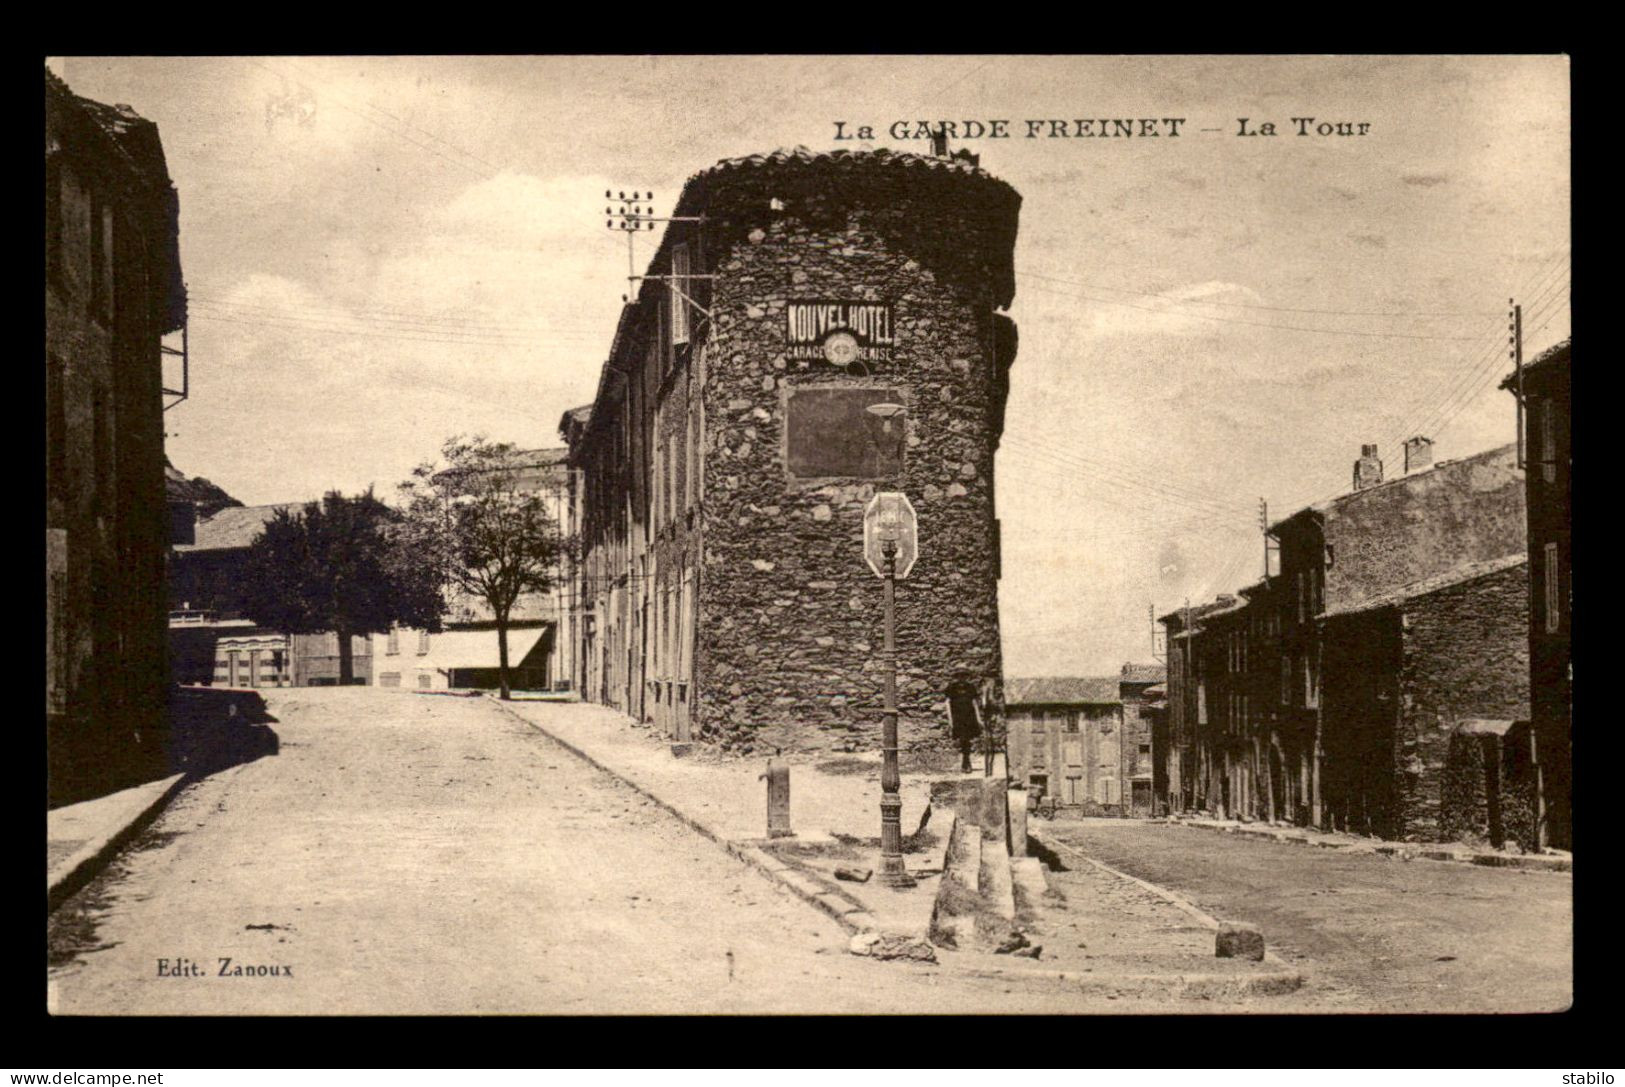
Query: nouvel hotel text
810, 324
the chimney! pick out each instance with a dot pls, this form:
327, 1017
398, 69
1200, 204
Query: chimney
1418, 454
939, 143
1368, 469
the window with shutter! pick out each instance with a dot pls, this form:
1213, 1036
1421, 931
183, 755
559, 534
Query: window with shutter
1554, 579
1548, 441
679, 291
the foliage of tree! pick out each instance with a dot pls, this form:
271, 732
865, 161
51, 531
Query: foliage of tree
489, 531
341, 565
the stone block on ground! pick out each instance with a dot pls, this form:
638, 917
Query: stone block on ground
884, 945
992, 815
953, 915
1030, 885
1016, 806
994, 882
1238, 940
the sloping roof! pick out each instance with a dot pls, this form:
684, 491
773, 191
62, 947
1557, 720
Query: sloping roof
1197, 612
205, 495
1062, 690
883, 156
1457, 576
133, 142
1552, 357
1143, 673
235, 526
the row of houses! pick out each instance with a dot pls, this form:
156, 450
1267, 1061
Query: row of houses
1403, 672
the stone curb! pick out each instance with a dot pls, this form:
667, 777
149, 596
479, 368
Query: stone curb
1283, 971
1403, 852
83, 866
1186, 986
852, 919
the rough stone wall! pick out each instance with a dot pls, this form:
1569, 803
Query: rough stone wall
790, 615
106, 516
1488, 795
1464, 808
1423, 525
1466, 655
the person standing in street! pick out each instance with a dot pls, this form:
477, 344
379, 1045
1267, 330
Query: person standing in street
964, 715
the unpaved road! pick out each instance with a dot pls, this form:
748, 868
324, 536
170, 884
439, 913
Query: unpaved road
409, 854
1370, 933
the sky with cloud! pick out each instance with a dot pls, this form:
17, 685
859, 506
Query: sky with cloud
382, 252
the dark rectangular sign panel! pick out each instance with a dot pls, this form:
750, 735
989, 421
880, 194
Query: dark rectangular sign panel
831, 432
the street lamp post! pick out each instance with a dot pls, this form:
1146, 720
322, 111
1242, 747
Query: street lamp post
892, 871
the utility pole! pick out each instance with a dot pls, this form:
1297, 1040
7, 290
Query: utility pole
1515, 349
1264, 527
634, 216
631, 218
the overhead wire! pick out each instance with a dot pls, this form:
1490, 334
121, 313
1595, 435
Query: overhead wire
1027, 273
1364, 333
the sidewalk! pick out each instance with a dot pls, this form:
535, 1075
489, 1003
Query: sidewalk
1552, 861
79, 838
834, 812
1101, 931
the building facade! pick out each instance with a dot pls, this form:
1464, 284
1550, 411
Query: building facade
113, 289
1543, 386
1351, 690
1086, 741
814, 328
1065, 737
541, 645
1140, 689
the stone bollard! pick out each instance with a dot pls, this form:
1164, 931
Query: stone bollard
778, 800
1238, 940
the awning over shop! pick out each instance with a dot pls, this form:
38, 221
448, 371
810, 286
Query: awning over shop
1481, 726
474, 648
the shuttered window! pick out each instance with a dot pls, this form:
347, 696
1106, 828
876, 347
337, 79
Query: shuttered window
679, 293
1548, 440
1554, 583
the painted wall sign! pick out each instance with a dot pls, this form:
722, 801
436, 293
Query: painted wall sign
839, 332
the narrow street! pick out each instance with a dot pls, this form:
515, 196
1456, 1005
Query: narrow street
1371, 933
414, 854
